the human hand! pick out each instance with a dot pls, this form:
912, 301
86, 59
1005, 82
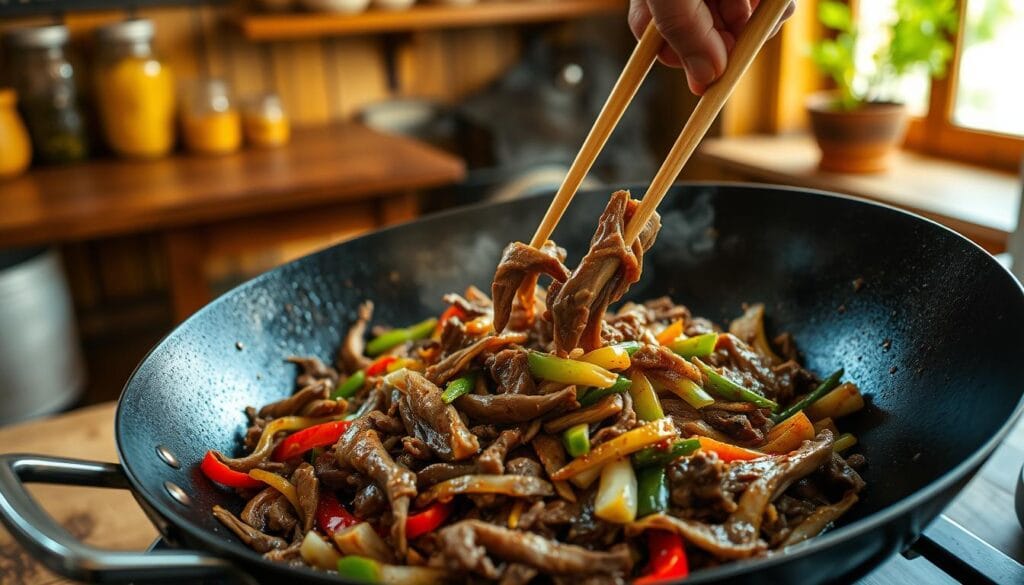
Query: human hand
699, 34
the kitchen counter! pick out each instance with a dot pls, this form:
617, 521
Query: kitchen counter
111, 518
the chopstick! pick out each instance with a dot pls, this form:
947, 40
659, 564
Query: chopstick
754, 35
632, 76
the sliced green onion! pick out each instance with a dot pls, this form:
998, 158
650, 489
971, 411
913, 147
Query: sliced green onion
687, 389
621, 384
697, 346
458, 387
645, 399
395, 337
350, 386
577, 440
824, 388
730, 390
844, 442
566, 371
359, 569
656, 456
652, 491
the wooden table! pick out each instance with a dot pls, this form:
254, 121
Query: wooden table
111, 518
339, 179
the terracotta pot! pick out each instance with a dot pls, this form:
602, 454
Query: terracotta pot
856, 141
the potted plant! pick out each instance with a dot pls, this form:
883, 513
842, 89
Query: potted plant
860, 123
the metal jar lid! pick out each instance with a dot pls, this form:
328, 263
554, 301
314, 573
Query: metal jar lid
39, 37
132, 30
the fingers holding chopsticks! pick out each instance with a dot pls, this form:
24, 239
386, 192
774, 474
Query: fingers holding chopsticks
699, 34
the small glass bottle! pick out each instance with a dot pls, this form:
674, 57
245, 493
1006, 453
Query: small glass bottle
209, 120
45, 82
15, 149
134, 91
265, 122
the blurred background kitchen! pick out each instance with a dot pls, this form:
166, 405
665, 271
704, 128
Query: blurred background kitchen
156, 153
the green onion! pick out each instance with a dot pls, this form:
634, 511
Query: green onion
395, 337
652, 491
360, 569
844, 442
621, 384
685, 388
458, 387
350, 386
656, 456
730, 390
566, 371
645, 399
824, 388
697, 346
630, 347
577, 440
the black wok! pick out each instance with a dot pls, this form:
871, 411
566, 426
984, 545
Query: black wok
939, 400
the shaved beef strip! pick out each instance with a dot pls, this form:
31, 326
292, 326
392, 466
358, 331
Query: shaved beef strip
609, 268
511, 370
516, 279
296, 402
492, 460
255, 511
437, 424
749, 427
452, 365
515, 408
661, 362
313, 370
352, 350
307, 486
252, 538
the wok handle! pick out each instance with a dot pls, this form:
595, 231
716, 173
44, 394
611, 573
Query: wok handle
62, 553
964, 556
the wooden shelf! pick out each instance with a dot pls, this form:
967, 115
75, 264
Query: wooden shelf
267, 27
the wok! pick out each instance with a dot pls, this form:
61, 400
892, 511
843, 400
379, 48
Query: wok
939, 399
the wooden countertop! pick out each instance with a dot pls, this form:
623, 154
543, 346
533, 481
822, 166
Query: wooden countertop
110, 197
111, 518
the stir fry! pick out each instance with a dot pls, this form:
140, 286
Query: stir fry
534, 436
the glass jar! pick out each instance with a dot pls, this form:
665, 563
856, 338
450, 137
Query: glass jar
134, 91
209, 120
45, 83
265, 122
15, 149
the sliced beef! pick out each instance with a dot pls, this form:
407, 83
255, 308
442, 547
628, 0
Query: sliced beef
254, 539
758, 370
696, 487
524, 466
492, 460
516, 574
624, 421
436, 473
516, 279
511, 370
255, 511
606, 407
604, 274
352, 349
474, 304
324, 407
454, 364
658, 361
663, 310
749, 427
307, 487
369, 502
429, 419
296, 402
454, 336
515, 408
313, 370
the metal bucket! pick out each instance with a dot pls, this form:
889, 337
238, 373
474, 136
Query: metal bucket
41, 367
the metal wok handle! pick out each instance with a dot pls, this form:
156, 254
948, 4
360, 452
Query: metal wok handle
51, 544
964, 556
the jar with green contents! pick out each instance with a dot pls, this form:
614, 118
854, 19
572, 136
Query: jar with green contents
134, 91
48, 99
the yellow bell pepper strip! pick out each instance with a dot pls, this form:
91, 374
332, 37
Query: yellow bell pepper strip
458, 387
577, 440
280, 484
350, 386
697, 346
396, 337
844, 442
728, 452
789, 434
666, 558
625, 444
515, 513
845, 399
665, 452
652, 491
824, 388
685, 388
621, 384
320, 435
730, 390
670, 333
609, 357
645, 399
565, 371
616, 499
215, 469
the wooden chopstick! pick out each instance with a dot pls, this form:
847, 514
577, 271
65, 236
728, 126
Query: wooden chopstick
629, 82
749, 43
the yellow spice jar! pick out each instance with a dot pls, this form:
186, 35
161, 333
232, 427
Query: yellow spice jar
265, 122
15, 148
210, 123
134, 91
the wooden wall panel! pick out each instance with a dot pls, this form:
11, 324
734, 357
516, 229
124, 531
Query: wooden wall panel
300, 79
356, 74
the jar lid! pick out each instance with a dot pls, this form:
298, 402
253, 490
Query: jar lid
132, 30
39, 37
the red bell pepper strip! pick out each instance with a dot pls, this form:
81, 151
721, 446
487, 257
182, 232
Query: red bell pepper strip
215, 469
428, 520
331, 516
451, 311
380, 366
667, 558
320, 435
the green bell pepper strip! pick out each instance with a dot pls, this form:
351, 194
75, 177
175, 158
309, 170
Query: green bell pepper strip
395, 337
458, 387
577, 440
621, 384
350, 386
824, 388
697, 346
658, 456
630, 347
652, 491
730, 390
359, 569
549, 367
